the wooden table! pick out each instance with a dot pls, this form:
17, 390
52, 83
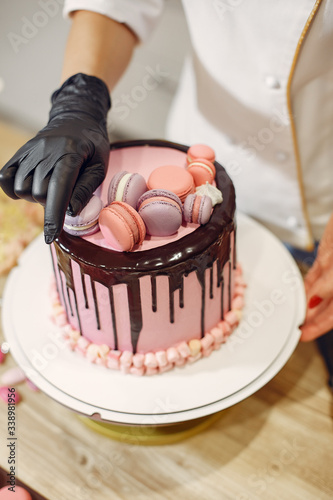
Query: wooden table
276, 444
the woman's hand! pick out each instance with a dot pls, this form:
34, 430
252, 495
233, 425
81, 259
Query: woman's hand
62, 166
319, 290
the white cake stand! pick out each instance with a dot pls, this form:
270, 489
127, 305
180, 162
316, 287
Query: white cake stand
253, 355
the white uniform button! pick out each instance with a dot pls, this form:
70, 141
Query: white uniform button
292, 222
272, 82
281, 156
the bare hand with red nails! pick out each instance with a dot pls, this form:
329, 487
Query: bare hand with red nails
319, 290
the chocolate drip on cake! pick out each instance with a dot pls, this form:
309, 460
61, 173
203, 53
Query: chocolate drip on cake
84, 289
93, 288
211, 295
153, 293
222, 298
196, 252
229, 287
113, 318
135, 310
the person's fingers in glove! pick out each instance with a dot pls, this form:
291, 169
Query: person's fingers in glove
67, 160
319, 290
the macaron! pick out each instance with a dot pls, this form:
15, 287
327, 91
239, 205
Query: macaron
202, 171
161, 211
122, 226
86, 222
19, 493
126, 187
200, 151
197, 209
172, 178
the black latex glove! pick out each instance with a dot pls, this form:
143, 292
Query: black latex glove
62, 166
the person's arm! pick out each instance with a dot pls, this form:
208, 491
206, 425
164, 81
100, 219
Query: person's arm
62, 166
98, 46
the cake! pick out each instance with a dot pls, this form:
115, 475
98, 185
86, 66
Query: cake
170, 301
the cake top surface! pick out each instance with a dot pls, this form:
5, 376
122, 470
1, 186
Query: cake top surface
142, 160
156, 252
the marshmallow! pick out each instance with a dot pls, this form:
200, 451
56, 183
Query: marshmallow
5, 394
237, 303
112, 363
161, 358
126, 358
217, 334
138, 360
13, 376
225, 327
103, 350
137, 371
92, 352
195, 346
172, 355
125, 368
184, 350
207, 352
151, 371
192, 359
150, 360
207, 341
166, 368
231, 318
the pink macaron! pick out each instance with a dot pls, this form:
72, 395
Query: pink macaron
86, 222
197, 209
126, 187
202, 171
122, 226
161, 211
200, 151
172, 178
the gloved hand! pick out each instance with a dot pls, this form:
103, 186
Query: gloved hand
62, 166
319, 289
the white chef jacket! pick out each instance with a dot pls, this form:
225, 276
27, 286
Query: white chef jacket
258, 88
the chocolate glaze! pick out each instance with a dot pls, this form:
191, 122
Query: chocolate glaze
195, 252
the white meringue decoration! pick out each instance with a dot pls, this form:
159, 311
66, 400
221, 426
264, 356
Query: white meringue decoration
214, 194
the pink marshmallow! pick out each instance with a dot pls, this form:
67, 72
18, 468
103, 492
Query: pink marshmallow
172, 355
231, 318
150, 360
207, 352
184, 350
217, 334
239, 290
161, 358
151, 371
225, 327
137, 371
207, 341
5, 394
114, 355
180, 362
166, 367
237, 303
103, 351
113, 363
192, 359
92, 352
61, 320
82, 345
100, 361
125, 368
138, 360
126, 358
13, 376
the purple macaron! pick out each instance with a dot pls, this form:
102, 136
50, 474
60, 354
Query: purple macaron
161, 211
86, 222
126, 187
197, 209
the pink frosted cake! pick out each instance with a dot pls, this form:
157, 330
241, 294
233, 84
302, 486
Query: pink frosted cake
170, 301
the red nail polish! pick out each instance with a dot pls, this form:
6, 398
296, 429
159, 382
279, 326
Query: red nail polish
314, 301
